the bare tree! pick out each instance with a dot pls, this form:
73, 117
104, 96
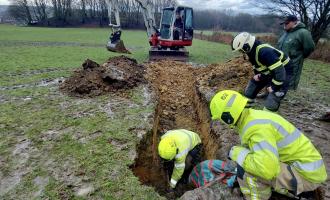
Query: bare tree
62, 10
313, 13
39, 9
20, 10
83, 10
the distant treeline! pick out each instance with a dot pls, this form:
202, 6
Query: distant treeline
60, 13
225, 20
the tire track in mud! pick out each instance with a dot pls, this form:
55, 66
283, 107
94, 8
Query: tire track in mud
15, 43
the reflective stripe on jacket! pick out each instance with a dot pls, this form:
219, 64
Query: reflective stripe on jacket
261, 66
271, 66
269, 61
185, 141
270, 139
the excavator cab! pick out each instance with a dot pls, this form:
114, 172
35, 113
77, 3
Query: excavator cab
175, 32
177, 24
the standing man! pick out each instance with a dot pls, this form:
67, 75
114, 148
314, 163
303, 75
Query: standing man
297, 43
269, 66
184, 148
273, 153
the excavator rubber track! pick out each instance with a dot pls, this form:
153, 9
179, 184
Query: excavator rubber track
160, 54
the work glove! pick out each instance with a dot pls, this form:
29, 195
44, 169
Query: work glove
235, 151
231, 181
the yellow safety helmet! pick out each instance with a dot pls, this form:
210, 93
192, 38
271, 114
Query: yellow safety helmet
227, 106
167, 148
243, 41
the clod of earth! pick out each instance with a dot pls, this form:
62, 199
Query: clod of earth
94, 79
325, 117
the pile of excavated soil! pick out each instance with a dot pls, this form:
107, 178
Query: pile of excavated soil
94, 79
234, 74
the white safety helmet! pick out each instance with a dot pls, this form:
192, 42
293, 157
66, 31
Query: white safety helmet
243, 41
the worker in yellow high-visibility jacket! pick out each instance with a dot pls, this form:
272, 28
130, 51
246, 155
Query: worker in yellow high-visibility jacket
184, 148
273, 153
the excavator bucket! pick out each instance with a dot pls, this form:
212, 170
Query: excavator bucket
117, 46
159, 54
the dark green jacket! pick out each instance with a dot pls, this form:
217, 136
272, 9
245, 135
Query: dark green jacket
297, 43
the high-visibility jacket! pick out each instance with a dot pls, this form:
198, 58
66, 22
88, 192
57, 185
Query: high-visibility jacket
269, 61
185, 141
268, 139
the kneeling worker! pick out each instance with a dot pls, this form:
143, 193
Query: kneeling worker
273, 153
271, 67
184, 148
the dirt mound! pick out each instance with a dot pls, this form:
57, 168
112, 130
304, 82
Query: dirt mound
94, 79
234, 74
215, 37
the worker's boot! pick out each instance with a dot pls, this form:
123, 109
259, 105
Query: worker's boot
263, 94
317, 194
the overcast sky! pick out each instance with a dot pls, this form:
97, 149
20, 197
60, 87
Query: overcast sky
4, 2
235, 5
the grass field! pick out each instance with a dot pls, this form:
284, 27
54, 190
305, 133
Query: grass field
74, 134
210, 32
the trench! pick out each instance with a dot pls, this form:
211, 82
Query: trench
180, 106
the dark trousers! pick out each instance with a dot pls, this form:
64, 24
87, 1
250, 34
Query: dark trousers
194, 157
273, 100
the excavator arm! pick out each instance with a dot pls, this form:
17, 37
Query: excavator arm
112, 6
148, 13
115, 44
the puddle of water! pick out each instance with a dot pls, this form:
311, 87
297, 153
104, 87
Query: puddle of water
56, 81
42, 83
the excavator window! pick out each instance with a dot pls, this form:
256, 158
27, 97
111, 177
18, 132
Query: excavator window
188, 26
166, 23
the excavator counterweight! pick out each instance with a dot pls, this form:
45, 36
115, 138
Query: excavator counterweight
160, 54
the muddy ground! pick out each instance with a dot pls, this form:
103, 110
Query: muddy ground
181, 93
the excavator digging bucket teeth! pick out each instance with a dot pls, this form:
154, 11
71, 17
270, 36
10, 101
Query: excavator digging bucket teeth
117, 46
160, 54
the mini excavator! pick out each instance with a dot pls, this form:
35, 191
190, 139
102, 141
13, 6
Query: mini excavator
169, 41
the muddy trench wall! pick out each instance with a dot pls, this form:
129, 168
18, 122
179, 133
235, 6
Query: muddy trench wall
148, 167
182, 104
